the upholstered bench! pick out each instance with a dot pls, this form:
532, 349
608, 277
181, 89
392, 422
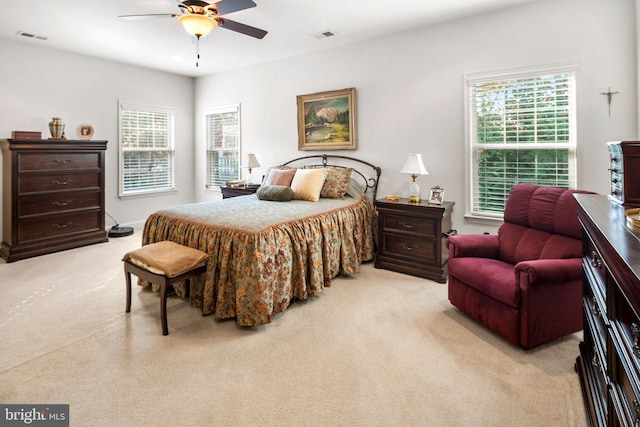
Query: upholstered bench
163, 263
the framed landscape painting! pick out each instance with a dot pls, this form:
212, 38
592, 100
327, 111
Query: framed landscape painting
327, 120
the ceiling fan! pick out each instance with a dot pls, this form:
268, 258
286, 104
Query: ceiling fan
199, 17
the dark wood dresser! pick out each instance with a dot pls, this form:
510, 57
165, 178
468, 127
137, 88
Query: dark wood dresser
52, 196
609, 361
624, 157
411, 237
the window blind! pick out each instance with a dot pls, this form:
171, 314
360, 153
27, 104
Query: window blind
521, 130
146, 149
223, 145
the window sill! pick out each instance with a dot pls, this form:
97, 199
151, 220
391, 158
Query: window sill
148, 194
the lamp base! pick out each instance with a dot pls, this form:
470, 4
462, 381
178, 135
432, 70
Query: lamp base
414, 199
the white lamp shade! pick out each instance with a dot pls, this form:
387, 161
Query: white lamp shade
252, 161
414, 165
197, 25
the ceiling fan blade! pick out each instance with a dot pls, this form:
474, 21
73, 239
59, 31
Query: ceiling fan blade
241, 28
149, 15
229, 6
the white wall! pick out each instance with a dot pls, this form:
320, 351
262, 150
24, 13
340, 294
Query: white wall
37, 84
410, 90
410, 95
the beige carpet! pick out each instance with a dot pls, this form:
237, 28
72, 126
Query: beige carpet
376, 349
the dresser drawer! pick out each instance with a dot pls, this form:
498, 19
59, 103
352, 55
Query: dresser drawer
57, 161
58, 202
422, 226
627, 325
40, 183
48, 227
623, 387
413, 248
596, 274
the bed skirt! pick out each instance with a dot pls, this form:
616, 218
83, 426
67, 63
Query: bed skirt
252, 275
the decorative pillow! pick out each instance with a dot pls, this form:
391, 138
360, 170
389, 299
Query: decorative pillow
277, 176
354, 189
307, 184
276, 193
336, 183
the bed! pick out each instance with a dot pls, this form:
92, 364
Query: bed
263, 254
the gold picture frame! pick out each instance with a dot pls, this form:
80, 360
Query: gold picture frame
327, 120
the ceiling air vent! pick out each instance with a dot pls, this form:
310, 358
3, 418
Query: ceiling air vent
31, 36
325, 34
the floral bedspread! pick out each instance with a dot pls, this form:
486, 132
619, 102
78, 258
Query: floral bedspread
263, 254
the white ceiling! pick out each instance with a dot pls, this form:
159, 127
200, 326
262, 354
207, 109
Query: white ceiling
93, 27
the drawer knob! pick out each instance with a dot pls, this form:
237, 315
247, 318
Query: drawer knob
58, 182
62, 225
594, 308
595, 362
407, 247
65, 203
595, 260
407, 226
636, 410
61, 162
635, 331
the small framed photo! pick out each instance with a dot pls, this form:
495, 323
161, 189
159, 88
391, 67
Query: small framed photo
436, 195
85, 131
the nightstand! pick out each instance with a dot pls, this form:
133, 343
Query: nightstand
228, 192
411, 237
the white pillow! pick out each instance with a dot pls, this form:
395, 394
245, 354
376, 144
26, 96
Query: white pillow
307, 184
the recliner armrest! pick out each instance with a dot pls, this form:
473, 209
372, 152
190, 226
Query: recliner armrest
473, 245
541, 271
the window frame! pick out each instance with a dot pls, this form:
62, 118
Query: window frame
472, 147
222, 109
170, 149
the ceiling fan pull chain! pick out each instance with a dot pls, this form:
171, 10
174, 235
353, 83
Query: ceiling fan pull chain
197, 51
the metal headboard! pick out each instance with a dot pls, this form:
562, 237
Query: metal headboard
369, 181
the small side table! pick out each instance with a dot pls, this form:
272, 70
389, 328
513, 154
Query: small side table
411, 237
228, 192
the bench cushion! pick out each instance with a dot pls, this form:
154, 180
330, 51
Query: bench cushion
166, 258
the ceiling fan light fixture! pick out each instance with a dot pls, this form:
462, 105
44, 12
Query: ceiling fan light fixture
197, 25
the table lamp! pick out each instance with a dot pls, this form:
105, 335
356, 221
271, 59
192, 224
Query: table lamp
414, 167
251, 163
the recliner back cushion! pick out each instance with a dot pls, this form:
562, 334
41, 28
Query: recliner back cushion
540, 223
553, 209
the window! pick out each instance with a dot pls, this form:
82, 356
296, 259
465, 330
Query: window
146, 149
223, 145
521, 129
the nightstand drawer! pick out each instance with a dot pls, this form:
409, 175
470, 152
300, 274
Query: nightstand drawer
422, 226
410, 247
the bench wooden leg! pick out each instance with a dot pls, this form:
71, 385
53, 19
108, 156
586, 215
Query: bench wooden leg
163, 307
128, 277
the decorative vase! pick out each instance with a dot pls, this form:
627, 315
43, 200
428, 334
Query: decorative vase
56, 127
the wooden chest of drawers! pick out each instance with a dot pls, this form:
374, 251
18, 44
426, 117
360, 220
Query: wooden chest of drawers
411, 238
52, 196
624, 169
609, 361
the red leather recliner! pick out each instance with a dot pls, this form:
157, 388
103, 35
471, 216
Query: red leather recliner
526, 282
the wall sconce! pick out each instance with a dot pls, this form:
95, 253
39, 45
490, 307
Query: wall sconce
251, 163
414, 167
